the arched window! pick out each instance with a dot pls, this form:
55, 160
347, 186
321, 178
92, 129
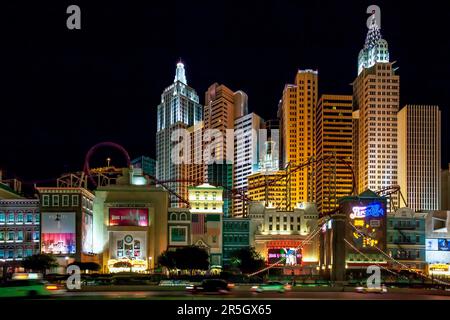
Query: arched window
183, 216
173, 216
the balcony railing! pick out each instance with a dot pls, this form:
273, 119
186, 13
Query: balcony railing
399, 241
409, 258
405, 227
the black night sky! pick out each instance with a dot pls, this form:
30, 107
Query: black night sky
65, 90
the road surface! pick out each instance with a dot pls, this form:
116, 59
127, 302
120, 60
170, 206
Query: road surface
180, 295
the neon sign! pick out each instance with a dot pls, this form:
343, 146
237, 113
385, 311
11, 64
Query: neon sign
372, 210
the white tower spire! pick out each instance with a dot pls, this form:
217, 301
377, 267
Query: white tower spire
180, 74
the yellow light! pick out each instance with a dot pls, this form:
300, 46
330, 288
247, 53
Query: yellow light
359, 223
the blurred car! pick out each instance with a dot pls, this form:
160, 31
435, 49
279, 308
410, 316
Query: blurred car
210, 286
24, 287
174, 283
272, 286
380, 289
55, 288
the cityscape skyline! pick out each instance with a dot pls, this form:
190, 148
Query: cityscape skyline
262, 101
240, 153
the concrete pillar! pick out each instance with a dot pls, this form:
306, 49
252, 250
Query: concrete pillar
339, 248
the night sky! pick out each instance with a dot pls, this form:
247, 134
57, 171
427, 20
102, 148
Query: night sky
64, 90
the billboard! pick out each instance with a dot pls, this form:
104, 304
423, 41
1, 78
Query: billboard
58, 233
366, 228
87, 233
443, 245
290, 256
128, 217
437, 245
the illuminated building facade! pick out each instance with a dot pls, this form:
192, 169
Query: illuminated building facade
277, 236
297, 120
206, 220
437, 243
196, 166
445, 190
222, 175
147, 164
179, 224
269, 188
19, 229
130, 226
179, 109
235, 236
376, 94
353, 238
246, 147
406, 238
222, 107
67, 224
334, 140
419, 157
270, 160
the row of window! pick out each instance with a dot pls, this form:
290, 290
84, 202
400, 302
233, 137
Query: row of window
17, 253
205, 206
19, 218
63, 200
284, 219
19, 236
285, 227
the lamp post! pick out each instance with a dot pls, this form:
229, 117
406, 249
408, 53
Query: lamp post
67, 262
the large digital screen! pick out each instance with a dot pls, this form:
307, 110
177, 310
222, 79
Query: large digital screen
443, 245
288, 256
58, 233
437, 245
128, 217
366, 224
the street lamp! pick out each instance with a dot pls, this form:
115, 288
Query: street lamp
67, 261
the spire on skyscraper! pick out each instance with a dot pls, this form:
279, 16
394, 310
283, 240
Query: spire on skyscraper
375, 48
180, 73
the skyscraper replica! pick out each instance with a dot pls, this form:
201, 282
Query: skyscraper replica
376, 103
419, 160
333, 142
179, 109
297, 120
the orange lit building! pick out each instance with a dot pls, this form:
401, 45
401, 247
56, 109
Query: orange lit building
297, 119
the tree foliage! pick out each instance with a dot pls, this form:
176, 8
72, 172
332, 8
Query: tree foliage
185, 258
39, 262
247, 260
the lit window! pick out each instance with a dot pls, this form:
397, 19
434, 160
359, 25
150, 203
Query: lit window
65, 200
75, 200
11, 218
20, 217
45, 200
55, 200
29, 217
2, 218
